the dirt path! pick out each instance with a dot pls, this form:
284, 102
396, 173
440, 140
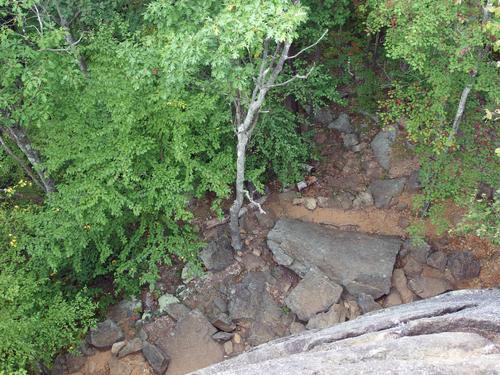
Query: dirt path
371, 220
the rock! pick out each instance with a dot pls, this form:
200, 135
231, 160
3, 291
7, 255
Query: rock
224, 323
324, 116
218, 254
385, 191
400, 284
323, 202
117, 367
352, 309
176, 311
125, 309
463, 265
412, 267
133, 346
342, 124
364, 199
117, 346
228, 347
310, 203
438, 260
190, 346
426, 287
360, 262
335, 315
350, 140
455, 333
189, 272
301, 185
296, 328
367, 303
106, 334
393, 299
237, 338
381, 147
158, 359
222, 336
165, 300
418, 251
251, 301
314, 294
266, 220
413, 184
343, 200
403, 222
67, 363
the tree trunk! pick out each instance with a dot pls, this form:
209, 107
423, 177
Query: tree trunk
19, 136
239, 188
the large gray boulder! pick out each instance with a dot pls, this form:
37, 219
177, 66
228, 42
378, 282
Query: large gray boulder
362, 263
455, 333
385, 191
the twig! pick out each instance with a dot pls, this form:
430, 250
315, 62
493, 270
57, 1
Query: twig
297, 76
254, 203
308, 47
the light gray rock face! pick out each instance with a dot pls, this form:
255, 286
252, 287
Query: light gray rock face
360, 262
381, 147
105, 334
315, 293
384, 191
455, 333
342, 124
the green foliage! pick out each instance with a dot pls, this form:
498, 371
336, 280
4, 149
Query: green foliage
416, 232
483, 218
38, 317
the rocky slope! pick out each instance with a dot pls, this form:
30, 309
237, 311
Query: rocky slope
455, 333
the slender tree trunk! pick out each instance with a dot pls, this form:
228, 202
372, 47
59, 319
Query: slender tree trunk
20, 162
239, 187
19, 136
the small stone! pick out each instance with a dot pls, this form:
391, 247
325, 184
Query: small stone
117, 346
401, 206
106, 334
393, 299
367, 303
323, 202
156, 357
463, 265
310, 203
301, 185
437, 260
237, 338
400, 283
403, 222
356, 148
412, 267
257, 252
343, 200
335, 315
298, 201
381, 146
426, 287
350, 140
296, 328
342, 124
385, 192
228, 347
224, 323
364, 199
352, 309
132, 346
222, 336
419, 252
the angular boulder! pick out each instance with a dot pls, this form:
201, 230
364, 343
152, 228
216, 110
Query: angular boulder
385, 191
314, 294
362, 263
105, 334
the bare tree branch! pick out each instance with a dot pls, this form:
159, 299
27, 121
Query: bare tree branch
308, 47
295, 77
254, 203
